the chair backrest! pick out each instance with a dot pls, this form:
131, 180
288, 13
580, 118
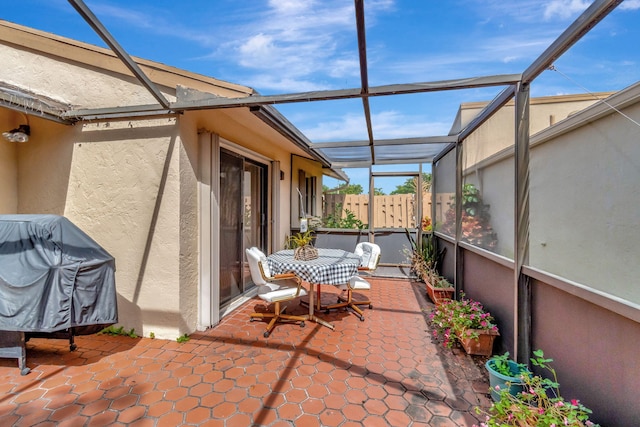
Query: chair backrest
257, 266
369, 253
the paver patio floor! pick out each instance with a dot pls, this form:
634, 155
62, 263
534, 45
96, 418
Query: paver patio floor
384, 371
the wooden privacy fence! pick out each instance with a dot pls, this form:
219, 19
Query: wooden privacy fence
395, 211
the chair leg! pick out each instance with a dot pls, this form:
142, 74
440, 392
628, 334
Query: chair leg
350, 300
353, 304
363, 302
275, 316
342, 302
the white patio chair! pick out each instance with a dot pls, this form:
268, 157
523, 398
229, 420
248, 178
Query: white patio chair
370, 256
273, 290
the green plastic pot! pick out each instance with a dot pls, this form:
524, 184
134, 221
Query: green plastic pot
496, 379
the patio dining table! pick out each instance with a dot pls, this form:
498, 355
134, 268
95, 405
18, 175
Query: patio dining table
332, 267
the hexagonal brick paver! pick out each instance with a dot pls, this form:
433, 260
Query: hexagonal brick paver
385, 371
331, 418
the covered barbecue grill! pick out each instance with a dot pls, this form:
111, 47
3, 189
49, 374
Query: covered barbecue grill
54, 279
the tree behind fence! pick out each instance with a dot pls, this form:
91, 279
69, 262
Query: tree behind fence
395, 211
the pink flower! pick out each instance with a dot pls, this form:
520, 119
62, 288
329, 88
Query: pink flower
574, 402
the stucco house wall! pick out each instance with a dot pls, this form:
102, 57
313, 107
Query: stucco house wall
8, 167
131, 184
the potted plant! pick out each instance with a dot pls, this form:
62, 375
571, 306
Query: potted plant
425, 259
439, 289
505, 373
302, 247
538, 404
464, 321
475, 222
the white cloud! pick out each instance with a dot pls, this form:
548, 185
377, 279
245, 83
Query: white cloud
386, 125
471, 59
393, 124
290, 6
126, 15
564, 9
630, 5
284, 84
259, 46
297, 40
349, 126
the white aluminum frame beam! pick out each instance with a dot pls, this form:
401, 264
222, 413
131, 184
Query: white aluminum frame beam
326, 95
386, 142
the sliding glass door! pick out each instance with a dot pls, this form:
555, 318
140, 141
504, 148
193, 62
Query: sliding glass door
243, 220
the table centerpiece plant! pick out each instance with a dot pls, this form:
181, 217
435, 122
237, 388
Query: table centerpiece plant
538, 404
301, 243
466, 322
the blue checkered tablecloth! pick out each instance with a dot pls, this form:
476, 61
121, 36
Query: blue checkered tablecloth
332, 267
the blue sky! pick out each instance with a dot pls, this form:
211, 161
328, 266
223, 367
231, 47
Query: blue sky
284, 46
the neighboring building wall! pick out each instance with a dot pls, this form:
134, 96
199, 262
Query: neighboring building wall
595, 353
584, 226
498, 132
584, 200
488, 160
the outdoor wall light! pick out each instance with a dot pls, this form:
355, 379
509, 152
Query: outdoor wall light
19, 134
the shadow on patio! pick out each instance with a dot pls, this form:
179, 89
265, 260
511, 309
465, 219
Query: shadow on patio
385, 371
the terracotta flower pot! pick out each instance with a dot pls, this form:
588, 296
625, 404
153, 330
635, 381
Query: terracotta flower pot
482, 345
437, 295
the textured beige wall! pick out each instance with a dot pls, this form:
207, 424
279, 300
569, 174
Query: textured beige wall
69, 82
125, 189
44, 165
585, 222
498, 132
131, 184
8, 164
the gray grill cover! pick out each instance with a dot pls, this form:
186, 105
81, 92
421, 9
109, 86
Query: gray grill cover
53, 277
